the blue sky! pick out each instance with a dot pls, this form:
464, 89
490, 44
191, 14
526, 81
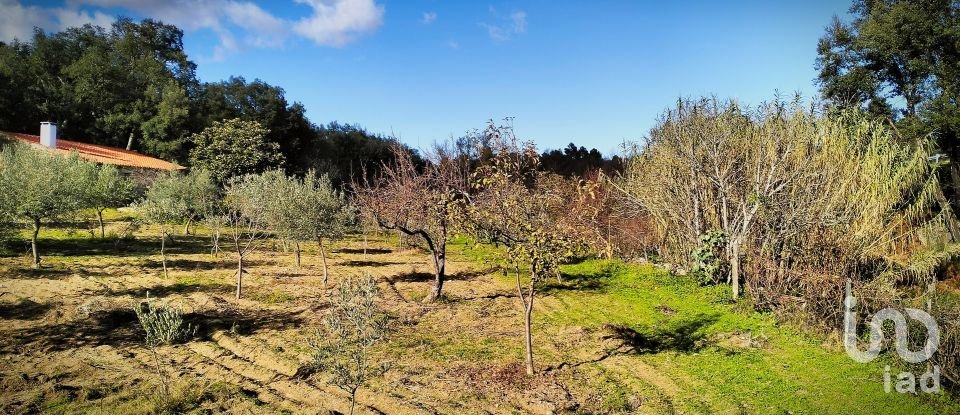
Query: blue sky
595, 73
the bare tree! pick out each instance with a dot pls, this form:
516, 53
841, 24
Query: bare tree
418, 201
808, 198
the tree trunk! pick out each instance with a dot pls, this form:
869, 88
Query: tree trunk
100, 221
735, 268
527, 303
163, 253
130, 142
296, 250
186, 228
323, 255
239, 273
527, 326
527, 323
33, 243
364, 245
163, 379
439, 262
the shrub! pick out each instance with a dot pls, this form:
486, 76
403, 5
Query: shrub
162, 324
708, 263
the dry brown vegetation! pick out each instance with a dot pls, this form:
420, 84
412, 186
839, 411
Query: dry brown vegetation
71, 342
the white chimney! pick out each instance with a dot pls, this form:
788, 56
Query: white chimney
48, 134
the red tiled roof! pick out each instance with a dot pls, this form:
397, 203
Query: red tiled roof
100, 154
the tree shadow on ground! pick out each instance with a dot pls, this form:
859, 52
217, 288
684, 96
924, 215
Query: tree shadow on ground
593, 281
113, 327
681, 336
25, 309
119, 327
244, 322
160, 291
429, 276
356, 263
371, 251
29, 273
684, 336
87, 246
187, 264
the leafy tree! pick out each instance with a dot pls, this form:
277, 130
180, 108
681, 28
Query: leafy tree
247, 206
125, 86
417, 202
309, 209
258, 101
164, 206
109, 188
515, 204
8, 203
234, 148
324, 213
899, 59
165, 134
354, 326
347, 153
200, 196
572, 161
43, 186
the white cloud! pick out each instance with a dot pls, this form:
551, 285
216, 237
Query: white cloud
236, 23
17, 21
507, 26
338, 22
428, 17
519, 19
453, 45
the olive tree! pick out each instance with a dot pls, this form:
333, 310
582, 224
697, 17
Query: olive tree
200, 195
42, 185
109, 189
354, 326
315, 211
247, 212
163, 205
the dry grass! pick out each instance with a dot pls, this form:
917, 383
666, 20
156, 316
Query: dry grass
71, 344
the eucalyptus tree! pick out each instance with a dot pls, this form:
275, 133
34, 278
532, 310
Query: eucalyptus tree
42, 185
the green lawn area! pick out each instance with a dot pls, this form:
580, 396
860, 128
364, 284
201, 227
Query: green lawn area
684, 332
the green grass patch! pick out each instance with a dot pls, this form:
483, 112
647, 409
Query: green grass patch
685, 324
